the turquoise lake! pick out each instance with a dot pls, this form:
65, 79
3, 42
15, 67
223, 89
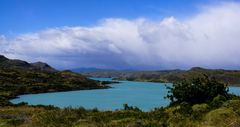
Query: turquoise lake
145, 95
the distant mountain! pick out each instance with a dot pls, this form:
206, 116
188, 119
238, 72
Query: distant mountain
106, 74
132, 75
85, 70
231, 77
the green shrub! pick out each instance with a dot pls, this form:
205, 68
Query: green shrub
200, 108
55, 118
126, 107
196, 91
218, 101
222, 117
232, 104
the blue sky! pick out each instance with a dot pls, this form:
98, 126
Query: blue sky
122, 34
18, 16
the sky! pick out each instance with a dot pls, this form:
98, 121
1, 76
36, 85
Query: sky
122, 34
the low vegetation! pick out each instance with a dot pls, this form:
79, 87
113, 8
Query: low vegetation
190, 107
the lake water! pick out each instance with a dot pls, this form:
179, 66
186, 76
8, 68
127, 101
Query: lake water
145, 95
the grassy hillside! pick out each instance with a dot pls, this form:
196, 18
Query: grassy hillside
20, 77
183, 115
231, 77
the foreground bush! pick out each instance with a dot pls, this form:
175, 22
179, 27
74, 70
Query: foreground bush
197, 90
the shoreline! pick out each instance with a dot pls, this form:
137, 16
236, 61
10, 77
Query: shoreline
102, 85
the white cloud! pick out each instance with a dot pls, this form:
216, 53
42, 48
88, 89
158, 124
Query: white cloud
210, 38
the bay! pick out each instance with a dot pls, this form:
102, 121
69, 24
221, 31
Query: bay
144, 95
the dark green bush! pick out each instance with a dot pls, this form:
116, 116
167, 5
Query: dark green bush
218, 101
197, 90
126, 107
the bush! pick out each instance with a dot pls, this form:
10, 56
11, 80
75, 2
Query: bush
126, 107
55, 118
232, 104
222, 117
200, 108
218, 101
197, 90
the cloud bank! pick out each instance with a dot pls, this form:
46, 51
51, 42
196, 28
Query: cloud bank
210, 38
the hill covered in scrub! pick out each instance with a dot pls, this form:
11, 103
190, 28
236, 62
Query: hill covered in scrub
231, 77
6, 63
20, 77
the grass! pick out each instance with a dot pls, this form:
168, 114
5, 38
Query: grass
226, 114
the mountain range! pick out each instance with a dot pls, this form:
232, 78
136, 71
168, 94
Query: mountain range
231, 77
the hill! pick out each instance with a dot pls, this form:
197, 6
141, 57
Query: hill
23, 65
85, 70
20, 77
231, 77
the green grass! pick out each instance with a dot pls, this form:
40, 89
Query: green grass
226, 114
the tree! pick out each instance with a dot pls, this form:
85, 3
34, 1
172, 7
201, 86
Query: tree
197, 90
